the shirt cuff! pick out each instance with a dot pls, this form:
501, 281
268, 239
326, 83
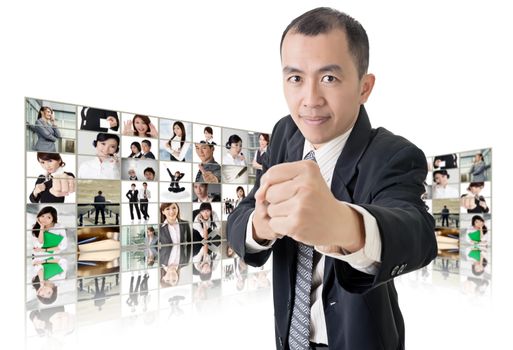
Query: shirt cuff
251, 245
368, 258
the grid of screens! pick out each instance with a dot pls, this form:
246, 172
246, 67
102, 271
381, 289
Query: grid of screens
458, 194
123, 205
129, 211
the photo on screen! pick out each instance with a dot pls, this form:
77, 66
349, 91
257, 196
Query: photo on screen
204, 192
139, 235
139, 147
134, 169
50, 126
476, 166
139, 125
209, 134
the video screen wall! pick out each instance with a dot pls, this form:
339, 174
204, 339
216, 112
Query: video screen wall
125, 204
458, 194
127, 212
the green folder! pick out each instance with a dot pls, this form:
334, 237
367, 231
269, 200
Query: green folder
51, 240
50, 270
475, 254
475, 236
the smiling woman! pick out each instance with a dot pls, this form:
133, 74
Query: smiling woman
105, 165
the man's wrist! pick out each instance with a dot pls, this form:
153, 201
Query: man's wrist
257, 239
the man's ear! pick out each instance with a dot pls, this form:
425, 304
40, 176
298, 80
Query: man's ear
366, 85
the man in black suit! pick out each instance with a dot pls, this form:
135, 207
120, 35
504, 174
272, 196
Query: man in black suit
146, 150
348, 219
99, 207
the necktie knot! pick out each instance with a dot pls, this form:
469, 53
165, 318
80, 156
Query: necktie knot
310, 156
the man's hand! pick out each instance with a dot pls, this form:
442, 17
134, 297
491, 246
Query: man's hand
208, 176
62, 185
302, 207
262, 231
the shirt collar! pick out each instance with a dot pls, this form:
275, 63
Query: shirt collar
329, 150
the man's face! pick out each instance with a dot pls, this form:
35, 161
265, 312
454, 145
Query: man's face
321, 84
200, 190
145, 147
149, 175
204, 151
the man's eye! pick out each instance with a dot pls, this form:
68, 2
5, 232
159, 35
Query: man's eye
294, 79
328, 79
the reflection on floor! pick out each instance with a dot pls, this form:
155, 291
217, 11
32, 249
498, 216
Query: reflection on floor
145, 300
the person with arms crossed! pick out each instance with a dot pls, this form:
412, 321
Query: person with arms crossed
339, 203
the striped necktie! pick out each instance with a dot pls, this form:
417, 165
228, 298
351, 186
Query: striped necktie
299, 332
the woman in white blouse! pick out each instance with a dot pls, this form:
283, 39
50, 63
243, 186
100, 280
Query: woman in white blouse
106, 164
47, 222
176, 146
234, 155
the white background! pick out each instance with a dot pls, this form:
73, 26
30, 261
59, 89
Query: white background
443, 73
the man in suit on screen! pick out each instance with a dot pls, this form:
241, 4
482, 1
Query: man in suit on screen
339, 203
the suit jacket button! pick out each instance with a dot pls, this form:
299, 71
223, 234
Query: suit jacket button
401, 269
394, 271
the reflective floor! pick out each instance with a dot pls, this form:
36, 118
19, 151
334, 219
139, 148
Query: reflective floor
442, 304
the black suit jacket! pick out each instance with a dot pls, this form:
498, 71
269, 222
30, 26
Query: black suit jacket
99, 202
185, 233
384, 174
133, 198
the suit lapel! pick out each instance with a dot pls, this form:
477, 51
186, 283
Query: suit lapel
295, 147
345, 170
356, 144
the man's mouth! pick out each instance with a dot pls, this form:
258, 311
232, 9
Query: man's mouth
314, 120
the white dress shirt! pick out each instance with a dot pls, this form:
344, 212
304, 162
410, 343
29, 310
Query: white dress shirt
96, 169
176, 146
449, 191
141, 194
366, 259
229, 160
174, 231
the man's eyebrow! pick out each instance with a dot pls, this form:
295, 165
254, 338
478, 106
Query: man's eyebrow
291, 70
329, 68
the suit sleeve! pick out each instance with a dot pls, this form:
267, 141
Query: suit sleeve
406, 228
45, 133
36, 199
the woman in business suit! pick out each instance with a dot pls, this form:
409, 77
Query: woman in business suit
46, 130
135, 147
173, 229
172, 259
55, 184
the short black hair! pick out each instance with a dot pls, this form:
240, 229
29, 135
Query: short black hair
322, 20
149, 169
147, 142
477, 218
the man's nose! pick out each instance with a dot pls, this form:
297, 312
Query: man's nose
312, 95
